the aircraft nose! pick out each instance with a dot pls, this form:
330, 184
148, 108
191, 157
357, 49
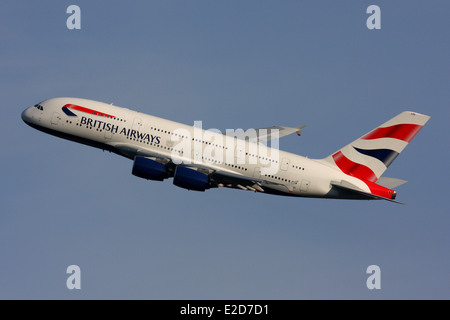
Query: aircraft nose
26, 115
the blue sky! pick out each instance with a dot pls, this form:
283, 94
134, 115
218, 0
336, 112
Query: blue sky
231, 64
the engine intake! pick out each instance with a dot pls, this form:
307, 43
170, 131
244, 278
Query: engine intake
190, 179
149, 169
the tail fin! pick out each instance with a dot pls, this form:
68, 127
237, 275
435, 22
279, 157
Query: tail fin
369, 156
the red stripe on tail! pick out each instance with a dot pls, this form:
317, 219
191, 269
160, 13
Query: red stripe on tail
405, 132
352, 168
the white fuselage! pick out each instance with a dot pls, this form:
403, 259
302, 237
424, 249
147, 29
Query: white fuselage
130, 133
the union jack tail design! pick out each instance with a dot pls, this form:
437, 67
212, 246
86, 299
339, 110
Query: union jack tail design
369, 156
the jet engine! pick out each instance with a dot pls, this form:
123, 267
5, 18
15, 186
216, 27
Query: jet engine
191, 179
149, 169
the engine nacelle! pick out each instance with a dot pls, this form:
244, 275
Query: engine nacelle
191, 179
149, 169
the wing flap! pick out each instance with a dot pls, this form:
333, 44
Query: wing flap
240, 181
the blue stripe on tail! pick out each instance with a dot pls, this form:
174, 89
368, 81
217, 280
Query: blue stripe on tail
384, 155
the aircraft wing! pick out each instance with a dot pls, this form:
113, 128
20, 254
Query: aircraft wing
130, 151
233, 180
266, 133
221, 177
230, 179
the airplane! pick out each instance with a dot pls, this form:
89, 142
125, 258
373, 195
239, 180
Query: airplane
200, 159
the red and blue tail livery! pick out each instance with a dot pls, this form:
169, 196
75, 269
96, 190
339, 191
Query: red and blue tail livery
198, 160
368, 157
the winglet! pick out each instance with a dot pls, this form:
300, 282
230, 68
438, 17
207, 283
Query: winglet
299, 131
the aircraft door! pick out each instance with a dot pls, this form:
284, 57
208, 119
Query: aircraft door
284, 164
196, 153
304, 186
55, 118
240, 152
257, 173
137, 124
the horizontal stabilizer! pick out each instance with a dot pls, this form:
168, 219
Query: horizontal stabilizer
390, 183
348, 187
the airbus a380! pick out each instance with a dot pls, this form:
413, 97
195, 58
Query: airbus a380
200, 159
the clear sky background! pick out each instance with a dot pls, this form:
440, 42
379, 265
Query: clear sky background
231, 64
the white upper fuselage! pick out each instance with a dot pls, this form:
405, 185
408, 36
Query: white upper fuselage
130, 133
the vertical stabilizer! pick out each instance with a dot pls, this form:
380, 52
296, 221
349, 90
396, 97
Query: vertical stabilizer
369, 156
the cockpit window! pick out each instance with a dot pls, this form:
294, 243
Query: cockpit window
39, 107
